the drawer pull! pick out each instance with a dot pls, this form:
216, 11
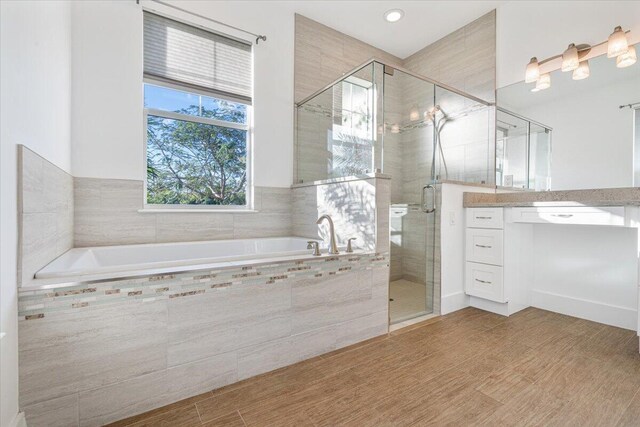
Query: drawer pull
483, 281
484, 217
484, 246
562, 215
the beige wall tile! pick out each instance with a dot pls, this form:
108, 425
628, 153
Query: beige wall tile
114, 228
321, 302
45, 213
107, 213
192, 226
231, 318
362, 328
81, 349
38, 240
266, 357
60, 412
323, 54
127, 398
31, 180
464, 59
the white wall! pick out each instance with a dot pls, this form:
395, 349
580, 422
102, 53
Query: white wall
35, 111
587, 272
107, 89
544, 29
106, 124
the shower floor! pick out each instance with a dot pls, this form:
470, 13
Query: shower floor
407, 300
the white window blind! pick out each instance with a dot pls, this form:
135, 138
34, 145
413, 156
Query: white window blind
186, 55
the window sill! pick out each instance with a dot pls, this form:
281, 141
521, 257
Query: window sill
196, 210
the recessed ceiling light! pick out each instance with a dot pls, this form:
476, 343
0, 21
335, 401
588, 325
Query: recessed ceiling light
393, 15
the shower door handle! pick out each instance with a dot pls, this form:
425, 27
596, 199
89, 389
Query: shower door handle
425, 208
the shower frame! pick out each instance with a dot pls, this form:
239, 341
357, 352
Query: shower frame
395, 67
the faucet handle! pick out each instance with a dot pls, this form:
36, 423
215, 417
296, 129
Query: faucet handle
312, 244
349, 248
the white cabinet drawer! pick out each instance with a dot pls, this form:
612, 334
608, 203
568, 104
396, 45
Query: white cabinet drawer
484, 245
484, 281
569, 215
484, 217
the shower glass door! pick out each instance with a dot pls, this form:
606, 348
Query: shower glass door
409, 119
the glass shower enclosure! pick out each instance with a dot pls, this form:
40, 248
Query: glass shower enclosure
381, 118
523, 152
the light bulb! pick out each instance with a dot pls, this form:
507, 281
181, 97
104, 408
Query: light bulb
627, 59
544, 82
617, 43
393, 15
533, 71
582, 72
414, 114
570, 59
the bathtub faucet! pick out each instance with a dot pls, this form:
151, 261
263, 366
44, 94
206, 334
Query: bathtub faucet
333, 248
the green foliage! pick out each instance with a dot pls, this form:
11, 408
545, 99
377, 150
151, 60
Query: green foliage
194, 163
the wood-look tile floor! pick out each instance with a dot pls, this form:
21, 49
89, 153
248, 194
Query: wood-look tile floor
467, 368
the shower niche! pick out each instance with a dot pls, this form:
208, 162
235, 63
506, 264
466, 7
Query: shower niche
382, 118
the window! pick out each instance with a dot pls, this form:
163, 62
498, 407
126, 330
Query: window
351, 142
197, 100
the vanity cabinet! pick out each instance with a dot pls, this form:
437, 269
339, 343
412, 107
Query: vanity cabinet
484, 255
578, 215
500, 258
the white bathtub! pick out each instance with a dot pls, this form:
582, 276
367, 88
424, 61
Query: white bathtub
131, 260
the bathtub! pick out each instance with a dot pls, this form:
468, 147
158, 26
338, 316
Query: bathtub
80, 264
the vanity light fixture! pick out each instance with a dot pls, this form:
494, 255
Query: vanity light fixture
393, 15
570, 60
575, 58
627, 59
617, 43
543, 82
533, 71
582, 72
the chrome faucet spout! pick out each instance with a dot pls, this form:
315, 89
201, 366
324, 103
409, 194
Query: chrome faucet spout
333, 248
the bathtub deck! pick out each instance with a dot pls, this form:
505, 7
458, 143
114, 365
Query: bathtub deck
533, 368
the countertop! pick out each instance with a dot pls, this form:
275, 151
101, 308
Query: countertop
628, 196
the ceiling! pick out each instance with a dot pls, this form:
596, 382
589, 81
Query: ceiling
424, 22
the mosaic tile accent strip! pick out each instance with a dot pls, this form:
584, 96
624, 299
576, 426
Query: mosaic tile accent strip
35, 304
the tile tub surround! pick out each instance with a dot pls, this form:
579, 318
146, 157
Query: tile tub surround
107, 212
99, 352
45, 213
597, 197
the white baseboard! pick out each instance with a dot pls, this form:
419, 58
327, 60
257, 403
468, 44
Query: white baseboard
453, 302
494, 307
19, 420
622, 317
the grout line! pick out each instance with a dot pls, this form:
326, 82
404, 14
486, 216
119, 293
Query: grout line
241, 417
198, 412
624, 411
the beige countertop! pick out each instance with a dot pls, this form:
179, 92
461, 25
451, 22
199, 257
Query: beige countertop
629, 196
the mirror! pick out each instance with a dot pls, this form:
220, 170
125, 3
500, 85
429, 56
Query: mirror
589, 124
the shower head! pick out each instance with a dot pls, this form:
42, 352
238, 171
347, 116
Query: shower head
433, 113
